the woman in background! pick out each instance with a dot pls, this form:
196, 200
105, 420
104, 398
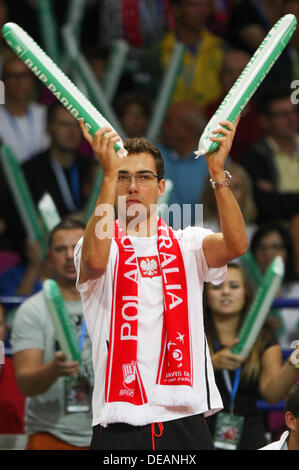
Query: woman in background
262, 374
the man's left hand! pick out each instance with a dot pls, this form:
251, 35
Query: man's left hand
216, 160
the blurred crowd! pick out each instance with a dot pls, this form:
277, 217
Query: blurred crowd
219, 38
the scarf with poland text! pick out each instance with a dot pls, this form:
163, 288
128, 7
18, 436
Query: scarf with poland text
175, 375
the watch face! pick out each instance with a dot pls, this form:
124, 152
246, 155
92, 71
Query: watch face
294, 358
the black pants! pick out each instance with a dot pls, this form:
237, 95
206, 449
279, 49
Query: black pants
190, 433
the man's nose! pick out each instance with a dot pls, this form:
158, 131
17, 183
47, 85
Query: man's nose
132, 185
70, 253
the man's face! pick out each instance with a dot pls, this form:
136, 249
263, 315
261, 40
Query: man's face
193, 14
233, 65
270, 246
62, 254
18, 80
134, 120
282, 119
138, 196
293, 424
64, 130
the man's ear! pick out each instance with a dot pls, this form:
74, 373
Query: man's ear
290, 420
161, 189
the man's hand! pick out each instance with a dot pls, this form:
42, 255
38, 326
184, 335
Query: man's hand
63, 368
216, 160
103, 146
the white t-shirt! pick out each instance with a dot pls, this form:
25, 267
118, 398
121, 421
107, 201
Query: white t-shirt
96, 297
26, 135
282, 444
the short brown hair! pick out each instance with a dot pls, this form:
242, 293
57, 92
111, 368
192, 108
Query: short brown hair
67, 223
140, 145
292, 400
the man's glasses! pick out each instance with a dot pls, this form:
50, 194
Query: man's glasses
142, 179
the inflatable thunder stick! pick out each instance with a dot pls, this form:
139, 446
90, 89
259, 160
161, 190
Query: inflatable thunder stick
249, 80
56, 81
61, 321
249, 263
260, 307
48, 212
22, 196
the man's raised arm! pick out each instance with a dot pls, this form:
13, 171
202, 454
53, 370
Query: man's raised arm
96, 242
232, 242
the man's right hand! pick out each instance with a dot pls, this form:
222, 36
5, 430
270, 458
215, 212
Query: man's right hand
63, 368
103, 146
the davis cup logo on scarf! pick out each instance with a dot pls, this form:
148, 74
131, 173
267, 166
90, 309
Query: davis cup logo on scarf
123, 380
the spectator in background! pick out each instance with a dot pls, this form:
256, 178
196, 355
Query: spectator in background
242, 190
42, 369
181, 131
23, 121
3, 19
12, 401
273, 162
26, 279
262, 372
134, 114
138, 22
249, 128
292, 7
250, 21
60, 170
271, 240
289, 439
199, 77
97, 57
219, 20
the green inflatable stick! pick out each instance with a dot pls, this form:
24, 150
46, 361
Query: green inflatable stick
48, 29
22, 197
56, 81
166, 91
249, 80
249, 263
76, 10
85, 73
93, 196
259, 309
252, 268
115, 65
48, 212
61, 321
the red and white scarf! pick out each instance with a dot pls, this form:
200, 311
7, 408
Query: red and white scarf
175, 372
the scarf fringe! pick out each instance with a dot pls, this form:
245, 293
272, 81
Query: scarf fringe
174, 395
123, 412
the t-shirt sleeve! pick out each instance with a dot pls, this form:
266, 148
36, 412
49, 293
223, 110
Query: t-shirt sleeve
192, 240
83, 286
28, 327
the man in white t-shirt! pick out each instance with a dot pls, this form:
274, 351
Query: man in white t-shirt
141, 287
23, 121
289, 439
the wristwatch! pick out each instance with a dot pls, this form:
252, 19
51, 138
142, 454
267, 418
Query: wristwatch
220, 184
294, 359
